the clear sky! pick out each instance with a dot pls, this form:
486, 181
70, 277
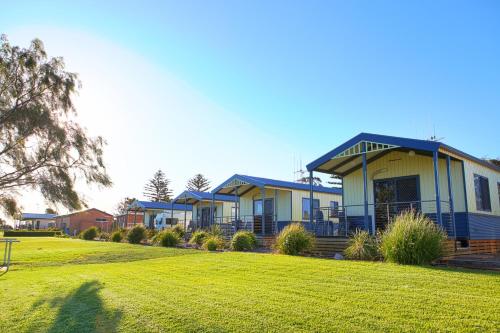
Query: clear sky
224, 87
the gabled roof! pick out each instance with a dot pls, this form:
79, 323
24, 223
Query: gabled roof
348, 156
251, 181
192, 197
158, 205
37, 216
83, 211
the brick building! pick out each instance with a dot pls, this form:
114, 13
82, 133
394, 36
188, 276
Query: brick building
75, 223
130, 219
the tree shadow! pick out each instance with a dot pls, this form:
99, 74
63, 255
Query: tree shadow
83, 311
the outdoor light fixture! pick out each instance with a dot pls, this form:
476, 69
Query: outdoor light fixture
411, 153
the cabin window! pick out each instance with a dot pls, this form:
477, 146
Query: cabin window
306, 207
482, 189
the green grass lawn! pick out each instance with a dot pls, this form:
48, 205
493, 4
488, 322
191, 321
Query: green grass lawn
65, 285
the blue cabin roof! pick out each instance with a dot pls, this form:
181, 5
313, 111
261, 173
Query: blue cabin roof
252, 181
192, 197
159, 205
347, 157
37, 216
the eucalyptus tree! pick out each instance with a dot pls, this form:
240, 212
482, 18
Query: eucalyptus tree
42, 147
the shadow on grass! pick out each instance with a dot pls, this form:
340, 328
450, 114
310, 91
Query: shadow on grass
83, 311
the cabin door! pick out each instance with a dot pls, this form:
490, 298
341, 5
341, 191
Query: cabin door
205, 217
393, 196
268, 213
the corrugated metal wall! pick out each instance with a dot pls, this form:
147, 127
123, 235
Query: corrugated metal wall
288, 203
472, 168
400, 164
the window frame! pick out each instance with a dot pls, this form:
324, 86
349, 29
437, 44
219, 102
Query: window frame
498, 188
308, 207
480, 201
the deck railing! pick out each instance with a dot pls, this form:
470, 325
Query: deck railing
345, 220
229, 224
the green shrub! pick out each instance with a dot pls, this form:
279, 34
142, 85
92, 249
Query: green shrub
244, 241
136, 235
168, 238
89, 234
412, 239
198, 237
116, 236
294, 240
362, 246
179, 230
213, 243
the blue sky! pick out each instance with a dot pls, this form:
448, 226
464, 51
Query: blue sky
291, 79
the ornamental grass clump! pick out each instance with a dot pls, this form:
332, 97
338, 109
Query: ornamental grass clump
362, 246
243, 241
412, 239
198, 237
136, 235
213, 243
168, 238
294, 239
179, 230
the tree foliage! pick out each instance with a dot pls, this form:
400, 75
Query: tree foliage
305, 180
41, 146
198, 183
157, 189
49, 210
335, 181
122, 206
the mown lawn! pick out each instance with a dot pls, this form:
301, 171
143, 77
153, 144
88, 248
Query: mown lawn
64, 285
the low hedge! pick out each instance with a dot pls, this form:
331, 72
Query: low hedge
18, 233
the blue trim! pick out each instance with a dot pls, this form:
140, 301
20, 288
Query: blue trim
159, 205
203, 196
470, 157
425, 145
465, 199
384, 139
484, 226
37, 216
450, 195
263, 218
365, 186
263, 182
311, 199
435, 160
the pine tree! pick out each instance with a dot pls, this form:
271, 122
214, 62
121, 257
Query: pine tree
156, 189
198, 183
305, 180
336, 181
